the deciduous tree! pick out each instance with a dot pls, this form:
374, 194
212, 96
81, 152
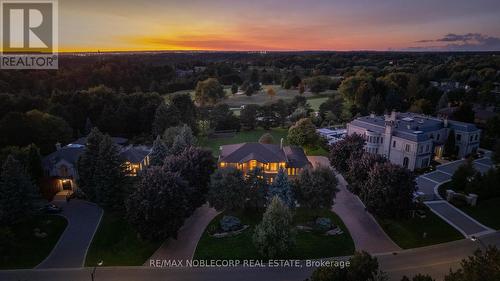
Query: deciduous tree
316, 188
342, 151
227, 190
159, 205
303, 133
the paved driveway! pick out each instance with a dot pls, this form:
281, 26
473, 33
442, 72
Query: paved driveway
364, 229
70, 251
428, 184
184, 246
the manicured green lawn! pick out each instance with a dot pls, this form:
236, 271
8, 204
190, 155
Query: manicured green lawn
243, 136
308, 244
315, 102
409, 233
116, 243
23, 249
486, 212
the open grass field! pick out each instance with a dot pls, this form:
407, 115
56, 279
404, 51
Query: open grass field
409, 233
309, 245
260, 98
24, 249
116, 243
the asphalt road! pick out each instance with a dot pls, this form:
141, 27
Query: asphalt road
435, 260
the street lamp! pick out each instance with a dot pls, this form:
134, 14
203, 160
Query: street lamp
92, 275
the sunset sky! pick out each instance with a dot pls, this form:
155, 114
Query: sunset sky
117, 25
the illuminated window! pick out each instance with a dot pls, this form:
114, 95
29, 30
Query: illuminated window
253, 164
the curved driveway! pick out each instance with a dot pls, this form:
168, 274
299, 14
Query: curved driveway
364, 229
70, 251
184, 246
428, 184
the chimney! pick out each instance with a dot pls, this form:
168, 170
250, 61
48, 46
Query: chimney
58, 146
445, 122
393, 115
372, 115
281, 143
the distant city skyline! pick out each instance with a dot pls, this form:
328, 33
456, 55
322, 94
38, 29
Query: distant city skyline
279, 25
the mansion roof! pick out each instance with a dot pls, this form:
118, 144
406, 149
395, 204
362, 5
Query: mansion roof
294, 156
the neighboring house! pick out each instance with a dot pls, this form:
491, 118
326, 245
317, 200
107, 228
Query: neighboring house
332, 136
61, 166
413, 140
448, 86
269, 157
135, 158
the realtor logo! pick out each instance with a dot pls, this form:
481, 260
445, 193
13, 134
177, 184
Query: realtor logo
29, 34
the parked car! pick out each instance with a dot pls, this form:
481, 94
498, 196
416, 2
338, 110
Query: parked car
51, 209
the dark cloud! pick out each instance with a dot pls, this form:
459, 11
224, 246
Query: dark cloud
460, 42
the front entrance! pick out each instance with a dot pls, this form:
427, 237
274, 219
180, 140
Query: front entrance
438, 152
67, 185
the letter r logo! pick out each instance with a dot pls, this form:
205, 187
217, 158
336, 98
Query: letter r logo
28, 26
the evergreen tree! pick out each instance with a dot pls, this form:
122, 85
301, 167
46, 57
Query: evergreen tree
17, 193
33, 162
443, 101
187, 110
183, 140
158, 206
282, 188
88, 126
274, 236
158, 153
87, 163
257, 189
109, 176
165, 116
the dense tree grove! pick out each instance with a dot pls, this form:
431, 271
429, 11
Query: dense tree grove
17, 192
159, 204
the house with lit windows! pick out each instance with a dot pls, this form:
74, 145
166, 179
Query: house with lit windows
412, 140
61, 166
268, 157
